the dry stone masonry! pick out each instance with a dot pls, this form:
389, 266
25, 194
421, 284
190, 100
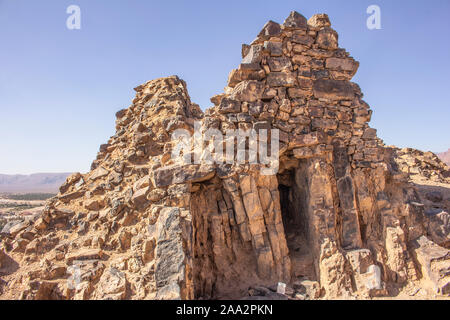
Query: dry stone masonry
340, 218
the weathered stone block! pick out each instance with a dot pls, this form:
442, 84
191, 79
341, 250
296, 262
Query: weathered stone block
170, 255
229, 106
279, 64
139, 197
434, 262
324, 124
295, 93
370, 133
282, 79
348, 64
301, 59
99, 173
333, 90
319, 21
84, 254
303, 153
249, 91
270, 29
304, 40
309, 139
253, 56
275, 48
177, 174
327, 39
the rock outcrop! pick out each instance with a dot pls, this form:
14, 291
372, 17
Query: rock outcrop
332, 214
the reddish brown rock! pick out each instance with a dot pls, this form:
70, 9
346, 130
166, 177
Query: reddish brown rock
295, 20
319, 21
333, 90
342, 216
445, 156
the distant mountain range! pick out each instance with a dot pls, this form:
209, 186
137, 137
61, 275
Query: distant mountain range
37, 182
445, 156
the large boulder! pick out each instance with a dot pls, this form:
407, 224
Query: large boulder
435, 264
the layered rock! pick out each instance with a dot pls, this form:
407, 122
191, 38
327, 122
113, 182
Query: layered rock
337, 219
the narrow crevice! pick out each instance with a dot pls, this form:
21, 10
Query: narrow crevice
293, 188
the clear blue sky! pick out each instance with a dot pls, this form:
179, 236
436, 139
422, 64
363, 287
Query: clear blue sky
60, 88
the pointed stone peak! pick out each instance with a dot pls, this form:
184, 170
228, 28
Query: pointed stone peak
320, 20
295, 20
163, 216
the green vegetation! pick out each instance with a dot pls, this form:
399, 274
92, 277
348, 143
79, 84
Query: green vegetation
17, 206
30, 196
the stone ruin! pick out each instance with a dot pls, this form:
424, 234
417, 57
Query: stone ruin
339, 219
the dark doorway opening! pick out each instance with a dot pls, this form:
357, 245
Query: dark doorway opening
293, 188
